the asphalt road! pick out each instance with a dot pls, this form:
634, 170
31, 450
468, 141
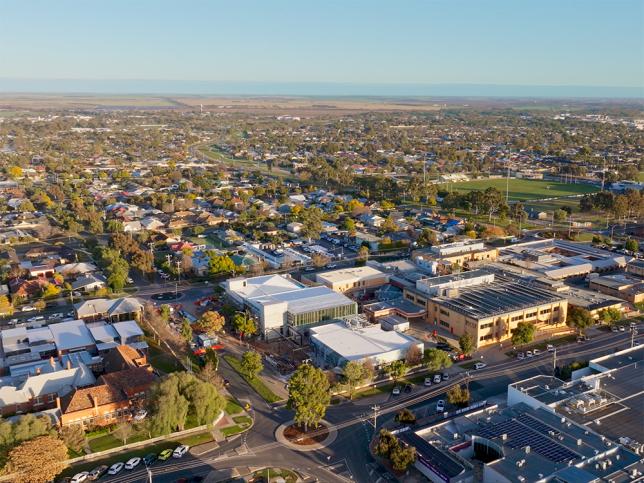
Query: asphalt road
347, 458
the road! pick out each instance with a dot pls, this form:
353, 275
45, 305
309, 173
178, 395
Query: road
347, 458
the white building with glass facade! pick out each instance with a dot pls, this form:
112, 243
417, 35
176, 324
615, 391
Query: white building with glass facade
278, 301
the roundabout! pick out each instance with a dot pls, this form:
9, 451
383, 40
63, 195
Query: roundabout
292, 436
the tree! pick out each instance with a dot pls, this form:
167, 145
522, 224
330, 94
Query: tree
579, 318
458, 396
560, 215
114, 226
40, 304
244, 324
354, 374
14, 171
524, 333
205, 401
74, 436
396, 370
208, 373
50, 291
406, 416
363, 253
211, 357
466, 343
212, 321
123, 431
319, 260
186, 330
386, 443
631, 245
312, 222
436, 359
414, 355
610, 315
308, 395
38, 460
221, 264
427, 238
402, 457
251, 364
6, 307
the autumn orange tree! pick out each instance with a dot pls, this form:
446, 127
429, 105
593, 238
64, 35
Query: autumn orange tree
37, 460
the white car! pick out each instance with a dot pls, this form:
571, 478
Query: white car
28, 308
520, 356
550, 348
528, 354
428, 381
396, 391
132, 463
536, 352
79, 477
129, 280
140, 415
479, 365
180, 451
437, 379
440, 406
116, 468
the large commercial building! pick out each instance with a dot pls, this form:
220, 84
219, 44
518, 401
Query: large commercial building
338, 343
587, 430
279, 302
464, 253
625, 287
353, 278
487, 306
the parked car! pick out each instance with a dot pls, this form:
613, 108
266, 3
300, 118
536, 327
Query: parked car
479, 365
440, 406
536, 352
520, 356
614, 328
29, 308
97, 472
116, 468
140, 415
180, 451
437, 378
528, 354
165, 454
622, 328
408, 388
396, 391
132, 463
550, 348
445, 376
80, 477
149, 459
428, 381
331, 265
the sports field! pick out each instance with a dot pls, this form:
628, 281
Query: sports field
522, 189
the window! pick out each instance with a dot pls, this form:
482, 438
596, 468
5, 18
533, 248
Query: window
443, 323
544, 311
487, 326
556, 309
486, 337
530, 315
444, 312
516, 317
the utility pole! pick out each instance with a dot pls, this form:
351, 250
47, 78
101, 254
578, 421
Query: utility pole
554, 361
375, 408
507, 185
176, 283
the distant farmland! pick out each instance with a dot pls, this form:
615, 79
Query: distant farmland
523, 189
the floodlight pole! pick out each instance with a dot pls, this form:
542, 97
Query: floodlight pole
375, 408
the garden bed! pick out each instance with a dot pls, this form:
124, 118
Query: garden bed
296, 435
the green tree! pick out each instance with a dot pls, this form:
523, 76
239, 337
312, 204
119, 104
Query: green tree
221, 264
354, 374
458, 396
386, 443
251, 364
406, 416
312, 222
402, 457
186, 330
579, 318
114, 226
122, 432
632, 245
524, 333
50, 291
363, 253
211, 357
244, 324
610, 315
466, 343
396, 370
308, 395
205, 401
212, 321
436, 359
37, 460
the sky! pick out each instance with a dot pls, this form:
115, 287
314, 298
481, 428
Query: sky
389, 46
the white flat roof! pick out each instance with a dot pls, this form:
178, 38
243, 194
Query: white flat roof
349, 274
127, 329
306, 299
263, 286
72, 334
356, 344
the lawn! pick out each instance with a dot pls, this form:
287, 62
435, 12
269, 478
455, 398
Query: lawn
213, 153
232, 407
523, 189
256, 383
272, 473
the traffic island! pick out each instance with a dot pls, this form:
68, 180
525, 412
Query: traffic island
294, 437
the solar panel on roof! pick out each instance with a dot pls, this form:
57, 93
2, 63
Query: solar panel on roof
519, 436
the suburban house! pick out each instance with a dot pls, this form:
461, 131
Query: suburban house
113, 310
